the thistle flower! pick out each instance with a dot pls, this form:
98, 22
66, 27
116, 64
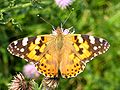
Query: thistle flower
50, 83
63, 3
30, 71
19, 83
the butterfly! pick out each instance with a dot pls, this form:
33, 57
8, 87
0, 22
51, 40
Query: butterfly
61, 53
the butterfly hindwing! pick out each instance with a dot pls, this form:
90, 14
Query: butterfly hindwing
48, 65
70, 65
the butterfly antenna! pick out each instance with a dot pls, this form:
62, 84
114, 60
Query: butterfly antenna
67, 18
48, 23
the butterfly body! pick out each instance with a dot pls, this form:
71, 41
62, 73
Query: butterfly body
59, 41
61, 51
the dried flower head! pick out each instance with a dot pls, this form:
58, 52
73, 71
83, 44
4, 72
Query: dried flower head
19, 83
50, 83
63, 3
30, 71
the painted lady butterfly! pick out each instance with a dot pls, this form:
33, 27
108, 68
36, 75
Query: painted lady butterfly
60, 51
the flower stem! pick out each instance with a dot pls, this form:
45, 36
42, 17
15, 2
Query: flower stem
41, 86
16, 6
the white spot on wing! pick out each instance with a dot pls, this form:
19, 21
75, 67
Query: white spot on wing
105, 47
22, 56
105, 44
80, 39
24, 41
86, 61
99, 46
22, 50
95, 54
92, 39
10, 46
17, 48
37, 41
12, 53
100, 52
17, 54
12, 50
15, 42
91, 58
95, 48
83, 67
101, 40
103, 51
26, 60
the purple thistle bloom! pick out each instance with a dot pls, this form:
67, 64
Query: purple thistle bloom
63, 3
30, 71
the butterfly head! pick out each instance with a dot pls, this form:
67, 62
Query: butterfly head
59, 31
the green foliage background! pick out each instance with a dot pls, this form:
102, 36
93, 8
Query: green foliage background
101, 18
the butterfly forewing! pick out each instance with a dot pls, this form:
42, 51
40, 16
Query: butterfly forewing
89, 46
23, 47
